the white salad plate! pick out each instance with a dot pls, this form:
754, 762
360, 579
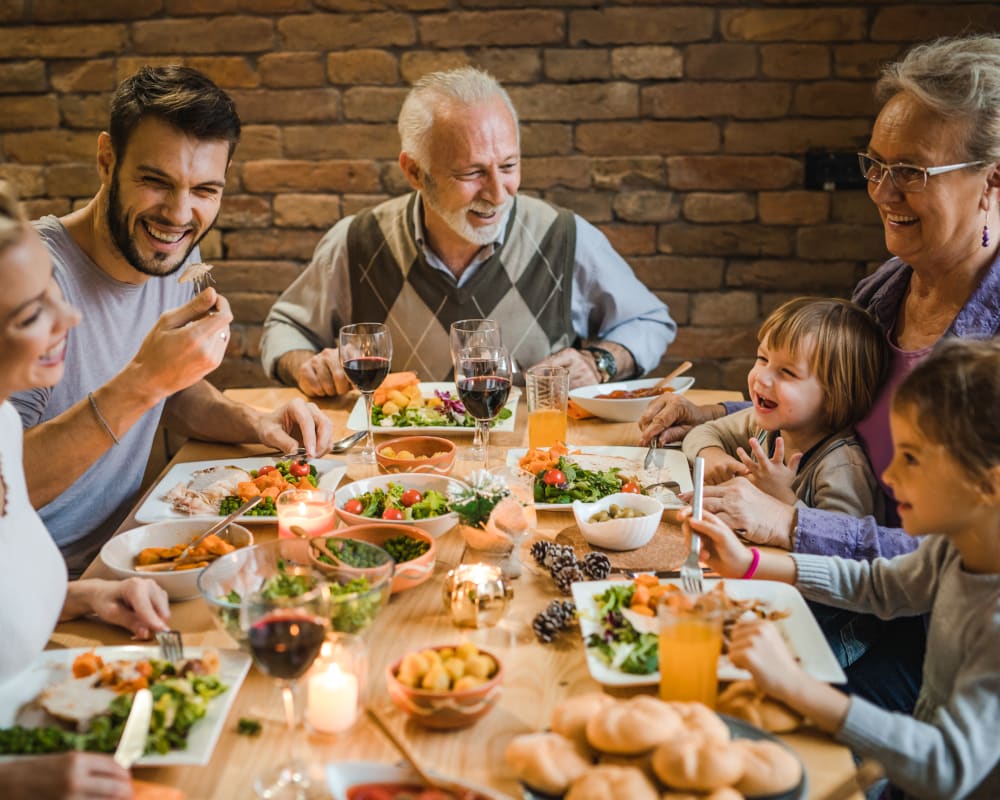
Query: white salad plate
624, 409
155, 507
670, 465
356, 421
54, 666
799, 628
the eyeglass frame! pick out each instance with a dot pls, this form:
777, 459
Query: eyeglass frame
927, 172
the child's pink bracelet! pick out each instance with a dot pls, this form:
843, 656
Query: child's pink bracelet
754, 563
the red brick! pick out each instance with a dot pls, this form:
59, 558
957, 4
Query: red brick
486, 28
229, 72
28, 111
231, 34
341, 141
803, 277
854, 206
646, 206
521, 3
841, 242
28, 181
719, 207
72, 180
679, 304
640, 25
362, 66
592, 206
83, 76
61, 41
211, 245
415, 64
794, 208
264, 276
353, 203
85, 111
11, 10
187, 8
647, 62
576, 101
546, 139
733, 375
577, 65
724, 240
33, 209
287, 105
679, 272
372, 104
916, 23
733, 172
87, 10
616, 173
259, 142
644, 138
272, 243
291, 70
796, 136
306, 210
244, 211
795, 61
720, 61
307, 176
724, 308
21, 77
715, 99
545, 173
276, 7
863, 60
835, 99
696, 343
804, 25
510, 64
325, 32
367, 5
631, 240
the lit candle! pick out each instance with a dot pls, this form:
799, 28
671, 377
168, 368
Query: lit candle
333, 700
313, 511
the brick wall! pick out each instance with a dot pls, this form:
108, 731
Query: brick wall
678, 128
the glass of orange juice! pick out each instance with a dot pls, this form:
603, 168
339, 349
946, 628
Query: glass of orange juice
690, 646
548, 395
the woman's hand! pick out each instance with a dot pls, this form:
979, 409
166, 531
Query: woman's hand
68, 776
771, 475
723, 550
137, 604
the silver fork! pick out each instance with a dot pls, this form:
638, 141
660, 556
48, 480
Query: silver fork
171, 645
691, 572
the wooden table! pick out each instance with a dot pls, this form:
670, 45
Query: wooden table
537, 677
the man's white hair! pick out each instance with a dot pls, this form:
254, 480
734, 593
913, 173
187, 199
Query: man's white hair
437, 91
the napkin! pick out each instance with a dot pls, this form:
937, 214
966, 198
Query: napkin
576, 411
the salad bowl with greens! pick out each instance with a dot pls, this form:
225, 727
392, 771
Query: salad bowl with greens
409, 499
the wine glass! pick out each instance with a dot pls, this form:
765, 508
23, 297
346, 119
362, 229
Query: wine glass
286, 623
482, 377
365, 354
474, 333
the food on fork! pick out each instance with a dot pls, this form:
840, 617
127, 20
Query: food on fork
199, 274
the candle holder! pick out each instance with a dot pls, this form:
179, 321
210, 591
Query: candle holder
476, 595
335, 685
314, 511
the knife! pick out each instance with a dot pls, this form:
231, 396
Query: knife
133, 742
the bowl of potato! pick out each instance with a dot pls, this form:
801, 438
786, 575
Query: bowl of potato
447, 687
430, 454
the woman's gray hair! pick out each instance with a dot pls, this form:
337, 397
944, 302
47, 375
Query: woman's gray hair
12, 221
438, 91
954, 77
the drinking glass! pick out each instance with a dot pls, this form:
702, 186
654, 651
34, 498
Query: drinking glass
482, 377
474, 333
286, 626
365, 354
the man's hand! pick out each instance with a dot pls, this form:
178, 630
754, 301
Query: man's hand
771, 474
294, 423
720, 466
669, 417
751, 512
316, 374
580, 365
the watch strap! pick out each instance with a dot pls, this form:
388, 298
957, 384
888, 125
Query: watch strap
607, 366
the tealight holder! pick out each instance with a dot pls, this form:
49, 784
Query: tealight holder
335, 684
312, 511
476, 595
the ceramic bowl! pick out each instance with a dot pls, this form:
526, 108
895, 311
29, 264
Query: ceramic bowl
622, 409
435, 526
422, 454
623, 533
119, 552
405, 574
445, 710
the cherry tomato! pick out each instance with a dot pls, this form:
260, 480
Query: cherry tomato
411, 496
392, 513
265, 469
553, 477
631, 487
299, 468
354, 506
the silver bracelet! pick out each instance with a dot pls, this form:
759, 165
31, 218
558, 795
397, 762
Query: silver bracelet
100, 417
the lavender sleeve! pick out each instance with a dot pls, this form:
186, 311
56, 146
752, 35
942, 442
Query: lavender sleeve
828, 533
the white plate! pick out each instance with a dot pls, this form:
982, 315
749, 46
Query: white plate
329, 471
356, 421
625, 409
671, 465
342, 775
53, 666
799, 628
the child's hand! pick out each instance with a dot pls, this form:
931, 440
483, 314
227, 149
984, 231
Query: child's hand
758, 646
720, 466
771, 475
721, 548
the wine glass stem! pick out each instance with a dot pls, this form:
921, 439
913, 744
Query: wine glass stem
288, 700
369, 448
483, 426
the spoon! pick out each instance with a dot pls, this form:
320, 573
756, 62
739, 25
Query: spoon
316, 542
664, 382
345, 444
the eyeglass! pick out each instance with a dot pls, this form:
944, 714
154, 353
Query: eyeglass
905, 177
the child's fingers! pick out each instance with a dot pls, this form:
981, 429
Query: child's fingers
793, 462
746, 458
761, 456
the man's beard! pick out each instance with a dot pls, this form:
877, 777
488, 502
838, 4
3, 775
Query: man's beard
123, 242
458, 222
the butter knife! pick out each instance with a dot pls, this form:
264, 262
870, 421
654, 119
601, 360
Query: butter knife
133, 742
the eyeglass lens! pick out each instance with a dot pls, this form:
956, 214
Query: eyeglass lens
903, 177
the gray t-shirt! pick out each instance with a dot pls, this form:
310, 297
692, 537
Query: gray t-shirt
116, 318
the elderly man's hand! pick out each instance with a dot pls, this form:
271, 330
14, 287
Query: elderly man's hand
751, 512
581, 368
321, 375
297, 422
670, 416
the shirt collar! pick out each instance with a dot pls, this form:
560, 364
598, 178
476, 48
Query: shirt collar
419, 233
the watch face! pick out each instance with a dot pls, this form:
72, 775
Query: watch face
605, 362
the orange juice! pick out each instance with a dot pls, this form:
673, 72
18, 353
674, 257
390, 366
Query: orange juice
546, 427
689, 658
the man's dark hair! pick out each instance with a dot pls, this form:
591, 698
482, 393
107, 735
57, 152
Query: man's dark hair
180, 96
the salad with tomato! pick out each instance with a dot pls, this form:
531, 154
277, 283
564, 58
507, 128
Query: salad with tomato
396, 502
568, 481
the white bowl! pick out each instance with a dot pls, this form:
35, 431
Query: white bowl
622, 410
624, 533
435, 526
119, 552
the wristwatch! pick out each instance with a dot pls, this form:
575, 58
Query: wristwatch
605, 361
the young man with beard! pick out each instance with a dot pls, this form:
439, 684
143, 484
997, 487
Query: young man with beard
145, 343
462, 245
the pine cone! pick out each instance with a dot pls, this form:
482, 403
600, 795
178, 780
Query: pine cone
554, 551
545, 627
568, 612
540, 550
567, 576
563, 561
596, 566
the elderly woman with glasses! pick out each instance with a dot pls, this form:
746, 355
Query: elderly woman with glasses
933, 170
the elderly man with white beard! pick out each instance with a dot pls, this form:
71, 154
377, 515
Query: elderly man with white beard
465, 245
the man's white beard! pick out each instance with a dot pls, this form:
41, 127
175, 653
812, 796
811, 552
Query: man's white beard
458, 221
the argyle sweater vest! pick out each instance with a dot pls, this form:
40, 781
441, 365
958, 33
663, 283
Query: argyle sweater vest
526, 285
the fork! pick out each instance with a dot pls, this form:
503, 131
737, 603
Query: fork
171, 645
691, 572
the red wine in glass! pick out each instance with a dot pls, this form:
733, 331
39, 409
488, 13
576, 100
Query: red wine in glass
365, 350
484, 396
482, 378
366, 373
286, 642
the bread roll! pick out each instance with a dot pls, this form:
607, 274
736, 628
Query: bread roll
725, 793
547, 762
569, 718
769, 768
633, 726
743, 700
609, 781
698, 763
699, 718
